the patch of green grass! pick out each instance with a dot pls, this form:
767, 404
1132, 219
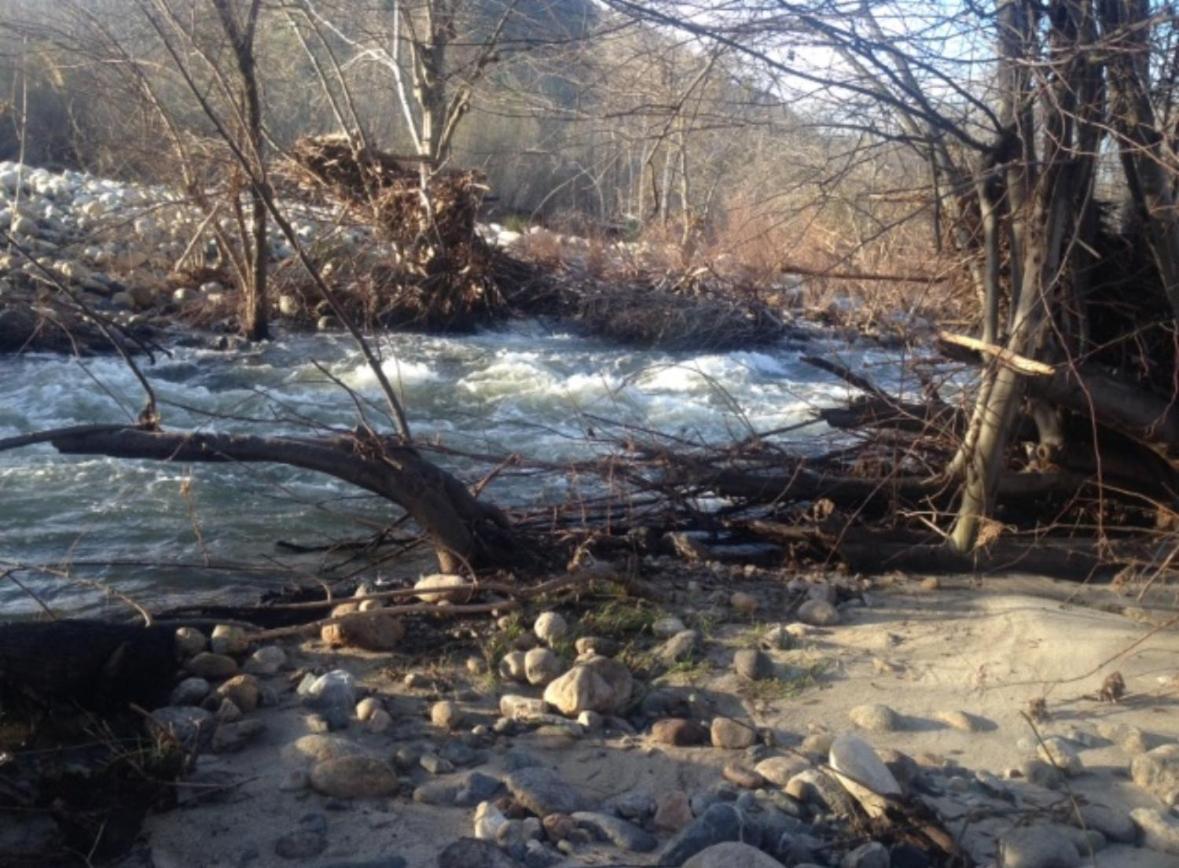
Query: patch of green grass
796, 681
689, 672
619, 619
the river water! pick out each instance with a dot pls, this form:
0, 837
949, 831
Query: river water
149, 529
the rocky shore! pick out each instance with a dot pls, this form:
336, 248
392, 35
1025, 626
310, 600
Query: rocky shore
748, 719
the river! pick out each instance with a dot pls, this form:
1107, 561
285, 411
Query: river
148, 528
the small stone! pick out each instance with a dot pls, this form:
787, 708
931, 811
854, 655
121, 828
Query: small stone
435, 764
752, 664
228, 639
242, 690
731, 854
513, 666
266, 661
476, 665
870, 855
288, 305
743, 777
875, 718
542, 791
353, 777
318, 747
673, 811
728, 734
332, 689
327, 323
1159, 831
440, 582
1157, 771
1042, 774
190, 691
1039, 846
679, 732
778, 770
619, 832
746, 604
591, 721
550, 628
300, 845
367, 707
541, 666
930, 583
1058, 752
522, 708
666, 627
446, 715
817, 744
190, 642
682, 646
211, 666
373, 630
232, 737
818, 613
958, 720
489, 819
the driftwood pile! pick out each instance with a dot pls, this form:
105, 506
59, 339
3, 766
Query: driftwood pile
445, 276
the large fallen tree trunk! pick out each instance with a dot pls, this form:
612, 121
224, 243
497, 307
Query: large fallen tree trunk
463, 530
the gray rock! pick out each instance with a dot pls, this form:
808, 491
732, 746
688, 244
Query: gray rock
718, 824
190, 691
353, 777
870, 855
863, 773
778, 770
1158, 772
1040, 846
730, 734
550, 628
446, 714
680, 647
752, 664
473, 853
442, 582
513, 666
190, 642
599, 684
958, 720
317, 748
1114, 824
1159, 831
266, 661
542, 791
818, 613
541, 666
230, 640
875, 718
211, 666
462, 790
619, 832
635, 805
732, 854
335, 689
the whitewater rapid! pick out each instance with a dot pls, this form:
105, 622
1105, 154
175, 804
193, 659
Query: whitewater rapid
527, 389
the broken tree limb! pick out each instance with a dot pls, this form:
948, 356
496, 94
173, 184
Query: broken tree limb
462, 529
1005, 357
